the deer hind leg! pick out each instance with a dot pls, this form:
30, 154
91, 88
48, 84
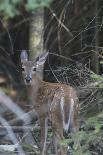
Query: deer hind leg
44, 130
60, 148
57, 124
74, 125
57, 127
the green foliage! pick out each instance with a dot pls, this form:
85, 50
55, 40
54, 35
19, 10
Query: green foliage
11, 8
65, 142
96, 77
33, 4
86, 137
28, 147
101, 62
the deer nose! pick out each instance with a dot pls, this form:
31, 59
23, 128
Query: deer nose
28, 79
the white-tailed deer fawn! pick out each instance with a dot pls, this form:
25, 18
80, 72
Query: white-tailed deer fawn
53, 101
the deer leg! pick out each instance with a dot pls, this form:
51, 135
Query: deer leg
44, 130
57, 127
55, 144
60, 149
74, 129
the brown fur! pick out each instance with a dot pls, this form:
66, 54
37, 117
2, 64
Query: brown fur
46, 102
53, 101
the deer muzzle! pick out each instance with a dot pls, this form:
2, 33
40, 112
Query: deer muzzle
28, 79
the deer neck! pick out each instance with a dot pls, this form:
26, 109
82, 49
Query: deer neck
36, 82
35, 85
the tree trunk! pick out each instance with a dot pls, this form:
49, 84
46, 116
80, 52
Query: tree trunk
36, 36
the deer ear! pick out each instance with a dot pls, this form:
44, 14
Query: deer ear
24, 56
40, 60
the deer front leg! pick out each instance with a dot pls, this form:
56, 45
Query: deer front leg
44, 130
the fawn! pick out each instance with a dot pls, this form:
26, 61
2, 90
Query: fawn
56, 102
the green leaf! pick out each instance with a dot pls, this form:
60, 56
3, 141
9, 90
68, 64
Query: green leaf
9, 9
101, 62
96, 77
15, 1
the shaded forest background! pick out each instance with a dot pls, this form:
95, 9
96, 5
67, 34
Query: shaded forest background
71, 31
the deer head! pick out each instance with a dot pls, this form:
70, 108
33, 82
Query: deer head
29, 67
